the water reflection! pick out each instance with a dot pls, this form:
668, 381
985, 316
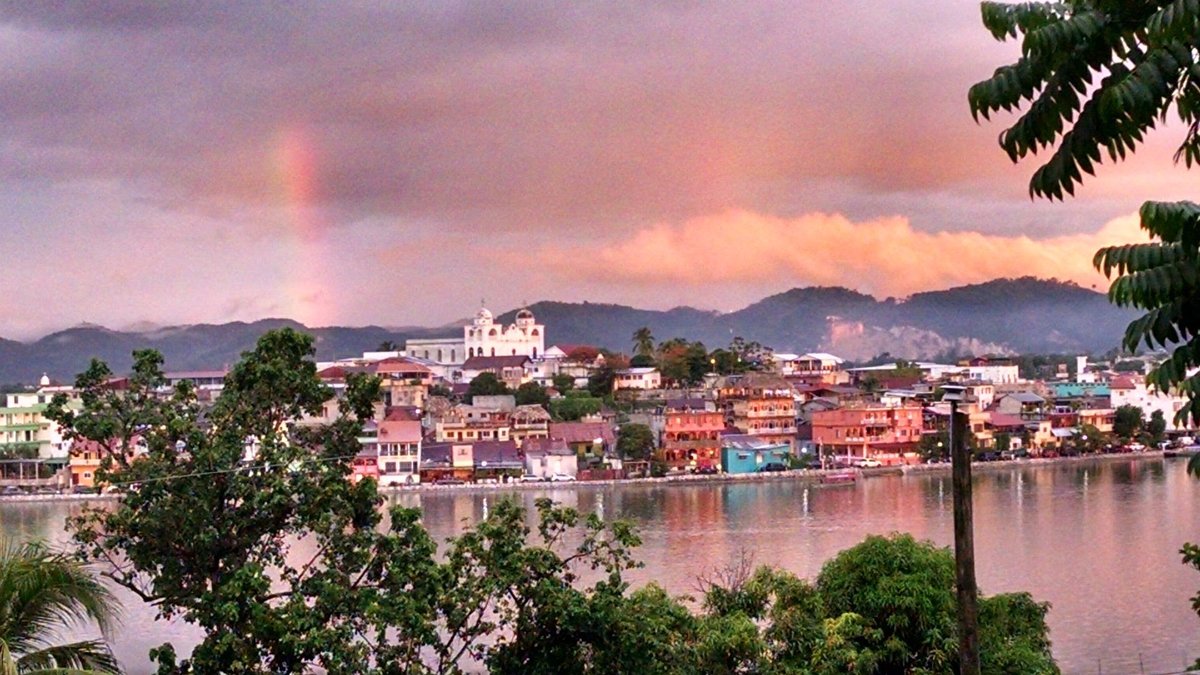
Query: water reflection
1099, 540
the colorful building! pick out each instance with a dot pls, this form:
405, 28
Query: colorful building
759, 404
691, 438
743, 453
890, 435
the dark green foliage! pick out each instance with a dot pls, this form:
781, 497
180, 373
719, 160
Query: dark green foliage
532, 393
574, 407
643, 342
1156, 427
485, 384
42, 593
1097, 77
1128, 421
642, 361
905, 588
1013, 636
635, 441
601, 381
563, 382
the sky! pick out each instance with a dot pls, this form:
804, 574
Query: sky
396, 164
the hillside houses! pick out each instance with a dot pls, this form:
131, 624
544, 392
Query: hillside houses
430, 425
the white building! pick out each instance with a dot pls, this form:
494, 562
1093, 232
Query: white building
637, 378
1133, 391
484, 337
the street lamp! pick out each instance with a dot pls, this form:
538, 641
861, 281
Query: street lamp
964, 539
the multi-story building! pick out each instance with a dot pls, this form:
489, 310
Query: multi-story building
24, 429
484, 337
528, 421
457, 430
1132, 390
399, 450
760, 404
869, 431
405, 382
692, 437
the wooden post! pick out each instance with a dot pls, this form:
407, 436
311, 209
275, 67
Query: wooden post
964, 547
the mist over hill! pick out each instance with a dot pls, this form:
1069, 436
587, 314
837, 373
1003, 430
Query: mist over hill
1005, 315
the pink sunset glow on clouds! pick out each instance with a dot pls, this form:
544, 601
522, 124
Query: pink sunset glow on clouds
392, 164
884, 256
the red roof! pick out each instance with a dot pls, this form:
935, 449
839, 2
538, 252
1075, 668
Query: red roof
1003, 420
398, 364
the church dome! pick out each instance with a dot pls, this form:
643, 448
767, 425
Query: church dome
483, 317
525, 314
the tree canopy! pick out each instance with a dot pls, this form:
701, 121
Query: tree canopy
635, 441
486, 384
1094, 77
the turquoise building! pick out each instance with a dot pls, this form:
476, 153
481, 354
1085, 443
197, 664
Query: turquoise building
743, 453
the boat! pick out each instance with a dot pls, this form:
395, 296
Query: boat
839, 478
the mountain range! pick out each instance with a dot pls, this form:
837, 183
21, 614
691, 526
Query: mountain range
1002, 316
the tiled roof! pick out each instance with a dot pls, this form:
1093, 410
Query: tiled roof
545, 446
496, 453
491, 362
582, 432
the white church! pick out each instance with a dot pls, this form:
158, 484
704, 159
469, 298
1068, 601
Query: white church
484, 337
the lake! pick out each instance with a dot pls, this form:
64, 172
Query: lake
1099, 540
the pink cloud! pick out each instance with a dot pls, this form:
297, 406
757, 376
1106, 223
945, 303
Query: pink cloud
884, 256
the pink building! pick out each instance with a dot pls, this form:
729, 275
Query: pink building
692, 438
888, 434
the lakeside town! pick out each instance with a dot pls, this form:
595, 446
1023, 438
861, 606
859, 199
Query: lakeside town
499, 405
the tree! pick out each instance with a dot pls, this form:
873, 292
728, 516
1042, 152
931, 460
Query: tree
563, 382
42, 593
388, 346
1157, 427
485, 384
583, 355
574, 406
532, 393
635, 441
1090, 438
601, 381
642, 361
643, 342
1144, 54
1128, 421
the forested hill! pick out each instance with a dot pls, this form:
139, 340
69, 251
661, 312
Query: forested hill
1015, 315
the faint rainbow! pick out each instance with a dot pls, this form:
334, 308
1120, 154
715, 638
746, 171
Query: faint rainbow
306, 273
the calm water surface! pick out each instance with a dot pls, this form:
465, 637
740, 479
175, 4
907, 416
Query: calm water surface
1099, 541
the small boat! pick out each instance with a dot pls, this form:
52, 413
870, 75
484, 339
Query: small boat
839, 478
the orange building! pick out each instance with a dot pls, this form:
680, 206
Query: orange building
692, 438
890, 435
760, 404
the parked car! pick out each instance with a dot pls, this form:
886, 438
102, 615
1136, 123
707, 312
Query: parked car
706, 470
868, 463
449, 481
530, 478
987, 456
772, 467
1136, 447
11, 490
561, 478
84, 490
47, 490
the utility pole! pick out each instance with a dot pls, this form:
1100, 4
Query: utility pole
964, 536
